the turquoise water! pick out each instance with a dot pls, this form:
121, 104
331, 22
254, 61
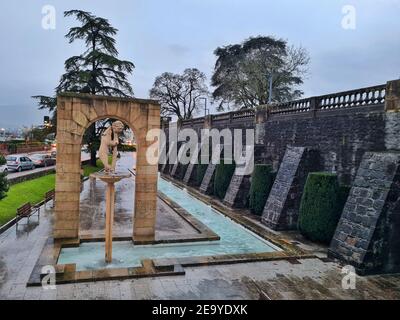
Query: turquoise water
235, 239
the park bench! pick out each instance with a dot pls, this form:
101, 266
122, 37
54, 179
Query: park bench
26, 211
49, 196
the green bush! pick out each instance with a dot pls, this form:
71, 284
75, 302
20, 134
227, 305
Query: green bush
223, 176
126, 148
343, 194
321, 206
262, 180
12, 148
200, 172
4, 186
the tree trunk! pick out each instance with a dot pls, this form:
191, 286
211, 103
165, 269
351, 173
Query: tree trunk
93, 151
93, 159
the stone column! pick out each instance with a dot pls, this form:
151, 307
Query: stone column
110, 199
146, 179
392, 108
367, 235
68, 169
282, 208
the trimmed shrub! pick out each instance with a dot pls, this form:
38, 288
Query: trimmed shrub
200, 172
126, 148
321, 206
4, 185
343, 195
223, 176
262, 180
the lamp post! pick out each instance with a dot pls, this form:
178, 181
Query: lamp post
270, 78
205, 106
3, 135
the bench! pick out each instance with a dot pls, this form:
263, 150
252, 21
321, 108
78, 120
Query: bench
49, 196
26, 211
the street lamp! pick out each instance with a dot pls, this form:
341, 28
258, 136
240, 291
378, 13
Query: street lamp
205, 106
270, 78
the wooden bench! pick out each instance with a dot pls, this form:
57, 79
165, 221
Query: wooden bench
26, 211
49, 196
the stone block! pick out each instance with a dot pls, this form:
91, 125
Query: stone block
237, 192
282, 207
80, 118
367, 231
207, 184
146, 232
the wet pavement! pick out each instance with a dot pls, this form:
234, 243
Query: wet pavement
92, 209
316, 278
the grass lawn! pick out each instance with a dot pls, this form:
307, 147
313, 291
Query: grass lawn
88, 169
32, 191
29, 191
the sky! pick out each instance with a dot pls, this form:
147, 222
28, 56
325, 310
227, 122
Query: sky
171, 35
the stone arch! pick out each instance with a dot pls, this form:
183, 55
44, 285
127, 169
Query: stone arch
75, 113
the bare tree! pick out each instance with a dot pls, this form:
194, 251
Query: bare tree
179, 94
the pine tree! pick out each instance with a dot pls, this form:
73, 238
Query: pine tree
96, 71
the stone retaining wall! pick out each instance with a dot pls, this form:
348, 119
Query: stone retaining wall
367, 235
282, 208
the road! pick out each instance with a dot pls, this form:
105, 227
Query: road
11, 174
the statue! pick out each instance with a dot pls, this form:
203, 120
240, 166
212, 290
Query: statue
109, 139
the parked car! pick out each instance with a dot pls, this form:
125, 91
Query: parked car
54, 154
19, 163
3, 168
43, 160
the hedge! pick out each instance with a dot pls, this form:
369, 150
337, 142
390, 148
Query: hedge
321, 206
126, 148
223, 176
262, 180
4, 185
200, 172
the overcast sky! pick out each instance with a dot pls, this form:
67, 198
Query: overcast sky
171, 35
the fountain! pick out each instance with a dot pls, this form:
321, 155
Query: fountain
109, 140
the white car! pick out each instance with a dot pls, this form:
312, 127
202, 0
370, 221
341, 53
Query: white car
3, 168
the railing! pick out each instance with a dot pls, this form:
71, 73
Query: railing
198, 120
303, 105
221, 117
347, 99
243, 114
6, 149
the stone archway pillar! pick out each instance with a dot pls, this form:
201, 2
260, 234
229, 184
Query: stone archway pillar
75, 113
